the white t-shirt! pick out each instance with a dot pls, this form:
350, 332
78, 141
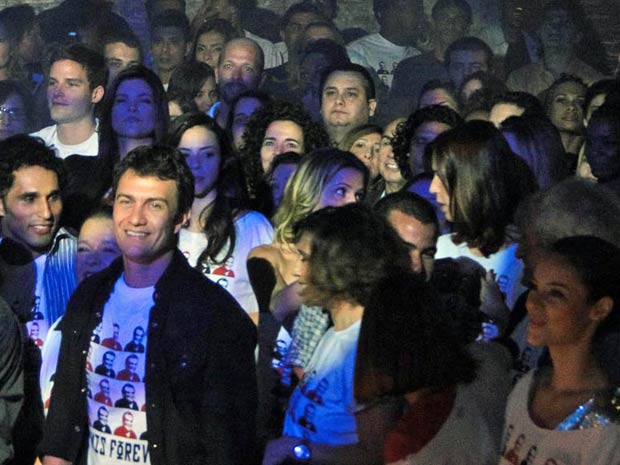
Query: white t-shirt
272, 52
89, 148
322, 407
252, 229
525, 442
507, 267
38, 326
115, 369
376, 52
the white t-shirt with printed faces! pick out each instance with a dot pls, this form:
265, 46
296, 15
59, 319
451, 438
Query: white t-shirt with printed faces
322, 407
115, 370
252, 229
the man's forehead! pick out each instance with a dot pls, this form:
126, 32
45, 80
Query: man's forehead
168, 32
118, 48
468, 56
70, 69
34, 178
345, 79
241, 53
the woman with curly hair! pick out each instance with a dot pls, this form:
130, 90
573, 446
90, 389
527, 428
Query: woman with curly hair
221, 231
420, 129
273, 129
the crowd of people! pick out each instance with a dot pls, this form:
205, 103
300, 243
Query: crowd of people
244, 238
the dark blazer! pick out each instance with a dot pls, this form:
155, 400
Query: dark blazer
200, 374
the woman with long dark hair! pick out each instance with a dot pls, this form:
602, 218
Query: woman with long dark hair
221, 231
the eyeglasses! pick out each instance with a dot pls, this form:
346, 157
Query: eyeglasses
11, 114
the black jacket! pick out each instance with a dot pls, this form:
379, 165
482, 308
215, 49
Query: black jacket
200, 374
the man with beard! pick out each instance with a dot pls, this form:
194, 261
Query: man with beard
239, 69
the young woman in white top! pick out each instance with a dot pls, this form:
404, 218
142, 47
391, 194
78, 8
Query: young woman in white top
478, 182
567, 413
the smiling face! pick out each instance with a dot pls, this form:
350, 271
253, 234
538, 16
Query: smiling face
280, 137
558, 305
146, 220
69, 96
567, 105
96, 247
346, 186
133, 110
31, 209
388, 168
209, 46
201, 149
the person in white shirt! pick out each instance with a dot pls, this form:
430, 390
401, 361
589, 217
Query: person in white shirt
76, 84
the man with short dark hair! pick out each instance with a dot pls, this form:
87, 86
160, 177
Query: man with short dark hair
240, 69
170, 42
77, 80
197, 396
36, 263
347, 99
121, 50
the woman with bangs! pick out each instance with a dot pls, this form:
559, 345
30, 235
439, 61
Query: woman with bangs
478, 183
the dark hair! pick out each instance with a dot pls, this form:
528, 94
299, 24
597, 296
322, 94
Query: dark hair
603, 86
163, 162
108, 143
263, 97
564, 78
231, 195
286, 158
102, 211
217, 25
298, 8
483, 98
483, 178
328, 24
403, 136
530, 104
596, 261
22, 151
10, 87
172, 18
149, 6
540, 146
123, 36
18, 20
188, 78
471, 44
367, 82
408, 342
313, 133
335, 53
92, 62
351, 249
445, 4
435, 84
410, 204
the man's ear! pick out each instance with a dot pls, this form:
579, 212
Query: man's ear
182, 221
372, 107
601, 309
97, 94
2, 211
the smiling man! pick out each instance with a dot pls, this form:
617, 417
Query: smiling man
347, 99
76, 84
197, 392
36, 263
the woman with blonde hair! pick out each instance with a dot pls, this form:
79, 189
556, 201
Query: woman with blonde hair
326, 177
